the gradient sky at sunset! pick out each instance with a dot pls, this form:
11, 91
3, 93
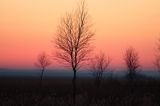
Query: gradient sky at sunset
28, 26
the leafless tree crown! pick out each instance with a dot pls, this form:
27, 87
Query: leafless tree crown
100, 63
74, 36
132, 60
157, 60
43, 61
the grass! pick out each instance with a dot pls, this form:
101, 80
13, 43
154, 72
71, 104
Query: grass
26, 91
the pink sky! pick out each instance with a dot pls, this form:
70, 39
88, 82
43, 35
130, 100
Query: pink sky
28, 26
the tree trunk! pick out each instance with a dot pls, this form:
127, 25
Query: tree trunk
131, 75
41, 80
74, 87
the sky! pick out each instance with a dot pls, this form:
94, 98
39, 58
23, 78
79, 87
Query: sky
27, 28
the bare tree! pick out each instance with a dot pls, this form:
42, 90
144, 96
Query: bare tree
157, 60
73, 40
43, 62
98, 65
132, 61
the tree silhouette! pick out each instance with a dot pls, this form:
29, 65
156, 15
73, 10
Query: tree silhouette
43, 62
98, 65
73, 40
132, 61
157, 60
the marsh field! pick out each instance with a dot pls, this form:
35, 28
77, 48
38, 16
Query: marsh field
27, 91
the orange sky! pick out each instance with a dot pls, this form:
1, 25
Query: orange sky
28, 26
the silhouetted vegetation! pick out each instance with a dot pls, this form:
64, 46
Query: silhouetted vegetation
132, 62
43, 62
73, 40
99, 64
157, 60
57, 92
73, 44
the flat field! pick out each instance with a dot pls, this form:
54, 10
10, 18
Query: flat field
27, 91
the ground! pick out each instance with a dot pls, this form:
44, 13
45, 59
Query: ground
27, 91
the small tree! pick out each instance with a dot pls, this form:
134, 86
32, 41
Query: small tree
157, 60
98, 65
43, 62
132, 61
73, 41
